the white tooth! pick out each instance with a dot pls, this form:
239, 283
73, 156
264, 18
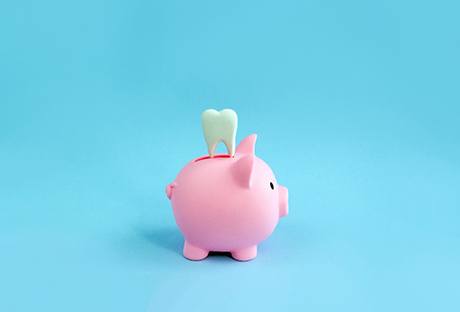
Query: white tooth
219, 126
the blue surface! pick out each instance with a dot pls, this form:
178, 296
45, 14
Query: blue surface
357, 107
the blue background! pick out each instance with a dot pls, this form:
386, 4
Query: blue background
357, 108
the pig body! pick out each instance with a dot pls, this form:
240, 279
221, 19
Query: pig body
227, 203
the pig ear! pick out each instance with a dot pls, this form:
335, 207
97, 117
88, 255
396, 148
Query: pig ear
243, 170
248, 145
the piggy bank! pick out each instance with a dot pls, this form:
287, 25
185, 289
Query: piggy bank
227, 203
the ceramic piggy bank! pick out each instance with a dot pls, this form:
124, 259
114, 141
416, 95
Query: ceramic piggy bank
227, 203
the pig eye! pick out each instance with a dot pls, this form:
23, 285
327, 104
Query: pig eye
272, 186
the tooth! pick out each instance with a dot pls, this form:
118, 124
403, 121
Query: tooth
219, 126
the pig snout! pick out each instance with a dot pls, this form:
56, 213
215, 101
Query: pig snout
283, 200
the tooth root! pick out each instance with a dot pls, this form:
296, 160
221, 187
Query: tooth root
219, 126
211, 140
230, 144
211, 149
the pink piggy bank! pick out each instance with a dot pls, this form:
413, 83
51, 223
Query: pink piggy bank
227, 203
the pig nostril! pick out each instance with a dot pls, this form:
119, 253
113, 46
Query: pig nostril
272, 186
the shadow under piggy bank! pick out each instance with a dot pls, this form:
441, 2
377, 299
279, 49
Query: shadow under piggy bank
167, 238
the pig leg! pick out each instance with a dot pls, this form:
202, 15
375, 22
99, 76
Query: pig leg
194, 253
245, 254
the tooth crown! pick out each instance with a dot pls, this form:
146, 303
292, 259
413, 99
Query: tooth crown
219, 126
